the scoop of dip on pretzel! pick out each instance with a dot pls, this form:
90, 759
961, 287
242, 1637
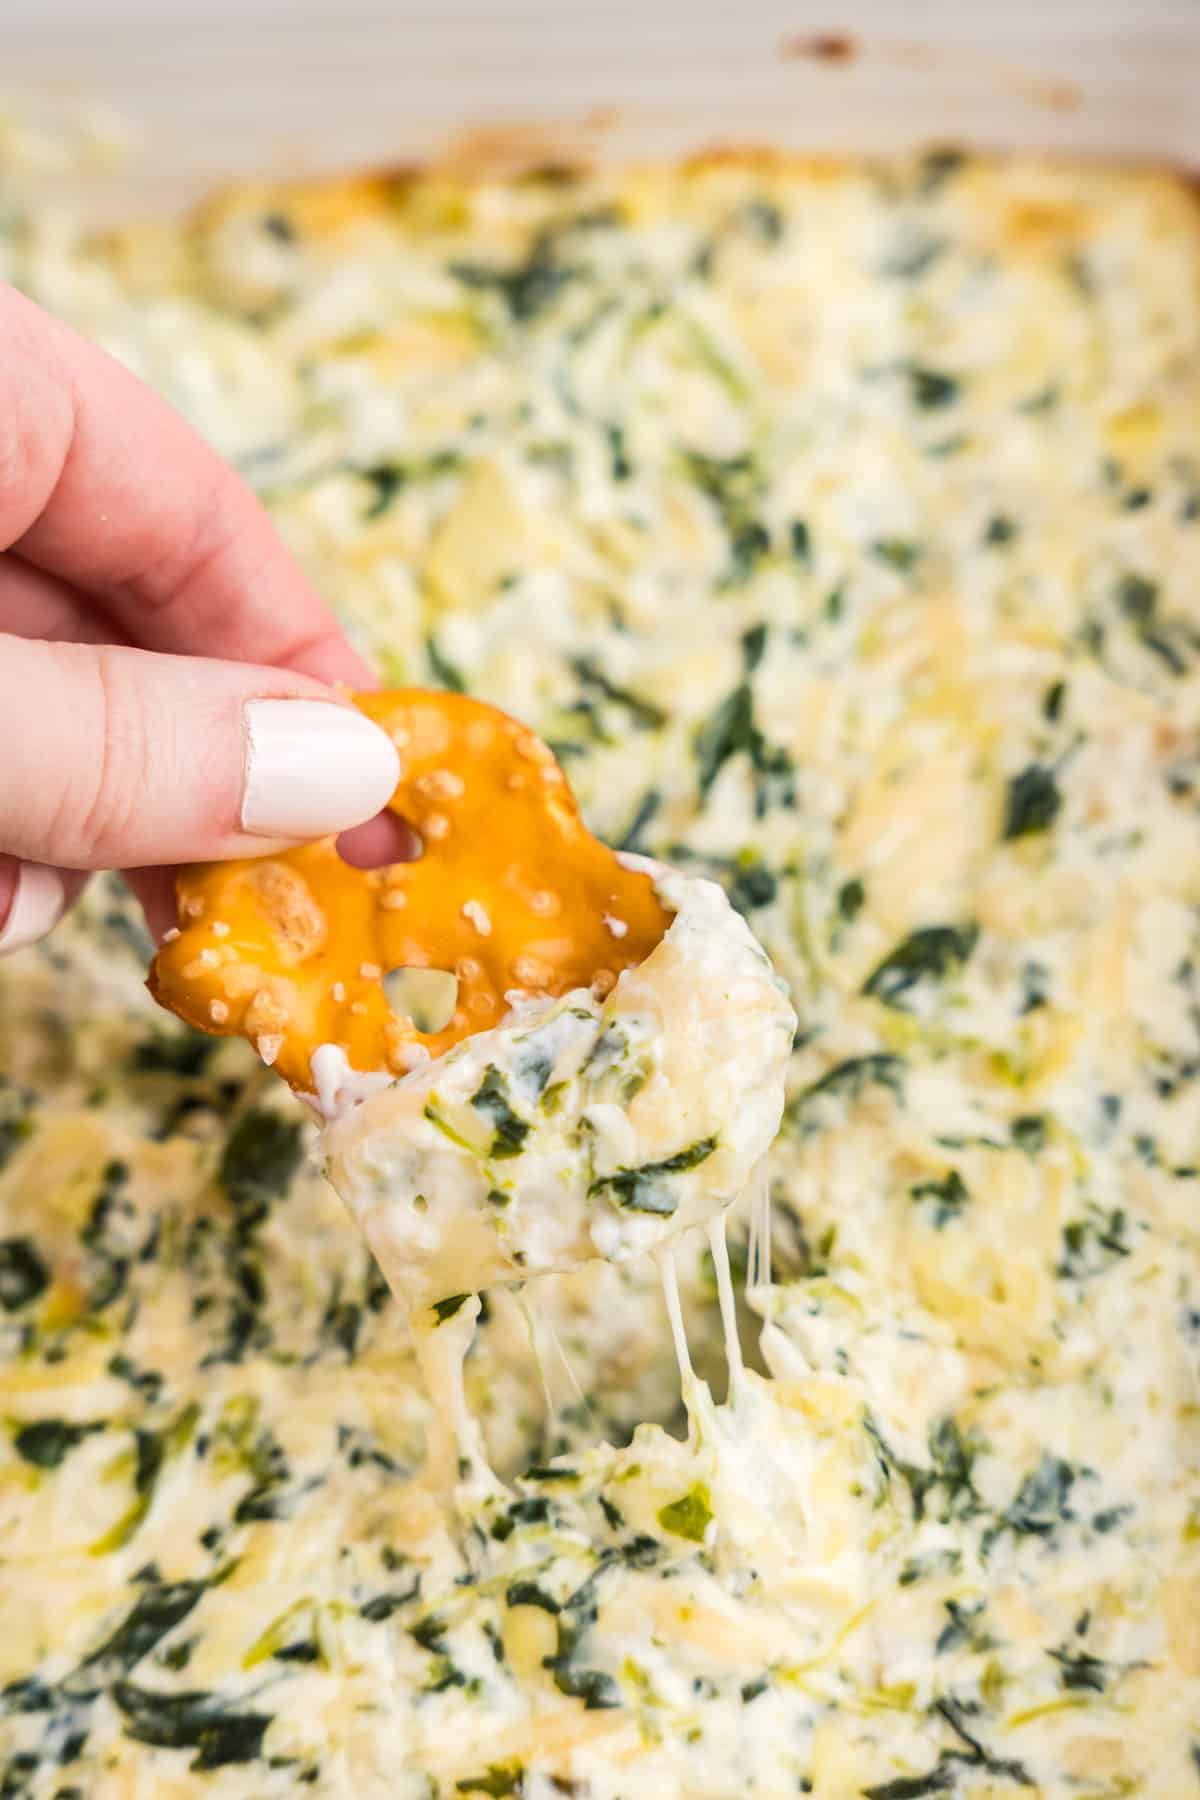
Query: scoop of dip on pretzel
611, 1071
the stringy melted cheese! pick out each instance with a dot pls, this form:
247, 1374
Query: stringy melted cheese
580, 1127
835, 524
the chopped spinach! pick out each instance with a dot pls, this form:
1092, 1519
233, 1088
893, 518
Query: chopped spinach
1035, 985
1080, 1669
533, 1069
751, 886
382, 1606
155, 1613
963, 1629
262, 1153
1093, 1243
938, 1780
690, 1516
931, 390
509, 1129
733, 484
528, 1593
341, 1325
932, 1562
642, 713
900, 554
449, 1307
1138, 598
446, 674
975, 1754
747, 546
640, 1552
526, 288
1000, 530
534, 1510
913, 256
764, 219
929, 954
105, 1236
192, 1720
267, 1499
851, 897
46, 1442
498, 1779
23, 1274
949, 1474
183, 1052
641, 1190
747, 881
647, 810
1029, 1133
430, 1633
949, 1195
939, 166
754, 644
1032, 803
594, 1687
16, 1119
731, 730
150, 1449
620, 465
849, 1079
387, 479
1040, 1505
28, 1694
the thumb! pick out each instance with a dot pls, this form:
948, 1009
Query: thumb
117, 758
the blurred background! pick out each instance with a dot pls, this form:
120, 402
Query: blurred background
213, 88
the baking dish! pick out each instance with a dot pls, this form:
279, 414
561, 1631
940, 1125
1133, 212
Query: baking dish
922, 1559
302, 85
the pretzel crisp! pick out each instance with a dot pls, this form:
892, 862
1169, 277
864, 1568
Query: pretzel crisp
511, 892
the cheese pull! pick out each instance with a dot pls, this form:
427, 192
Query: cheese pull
510, 894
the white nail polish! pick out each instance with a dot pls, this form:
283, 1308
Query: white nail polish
37, 906
313, 768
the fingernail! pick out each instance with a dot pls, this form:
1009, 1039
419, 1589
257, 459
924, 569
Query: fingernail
313, 768
37, 906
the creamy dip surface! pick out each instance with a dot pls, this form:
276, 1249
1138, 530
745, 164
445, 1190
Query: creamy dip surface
837, 526
580, 1127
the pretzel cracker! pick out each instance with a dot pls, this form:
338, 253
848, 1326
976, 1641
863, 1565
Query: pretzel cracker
511, 893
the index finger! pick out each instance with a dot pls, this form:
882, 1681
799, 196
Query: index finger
105, 486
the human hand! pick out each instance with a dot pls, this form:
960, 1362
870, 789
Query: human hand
131, 559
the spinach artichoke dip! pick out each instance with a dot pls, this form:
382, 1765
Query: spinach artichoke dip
836, 525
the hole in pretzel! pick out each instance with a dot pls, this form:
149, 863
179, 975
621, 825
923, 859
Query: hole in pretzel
379, 841
426, 996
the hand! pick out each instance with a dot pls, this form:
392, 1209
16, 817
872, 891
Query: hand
131, 560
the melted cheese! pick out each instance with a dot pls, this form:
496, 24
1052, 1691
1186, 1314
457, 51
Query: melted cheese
580, 1127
